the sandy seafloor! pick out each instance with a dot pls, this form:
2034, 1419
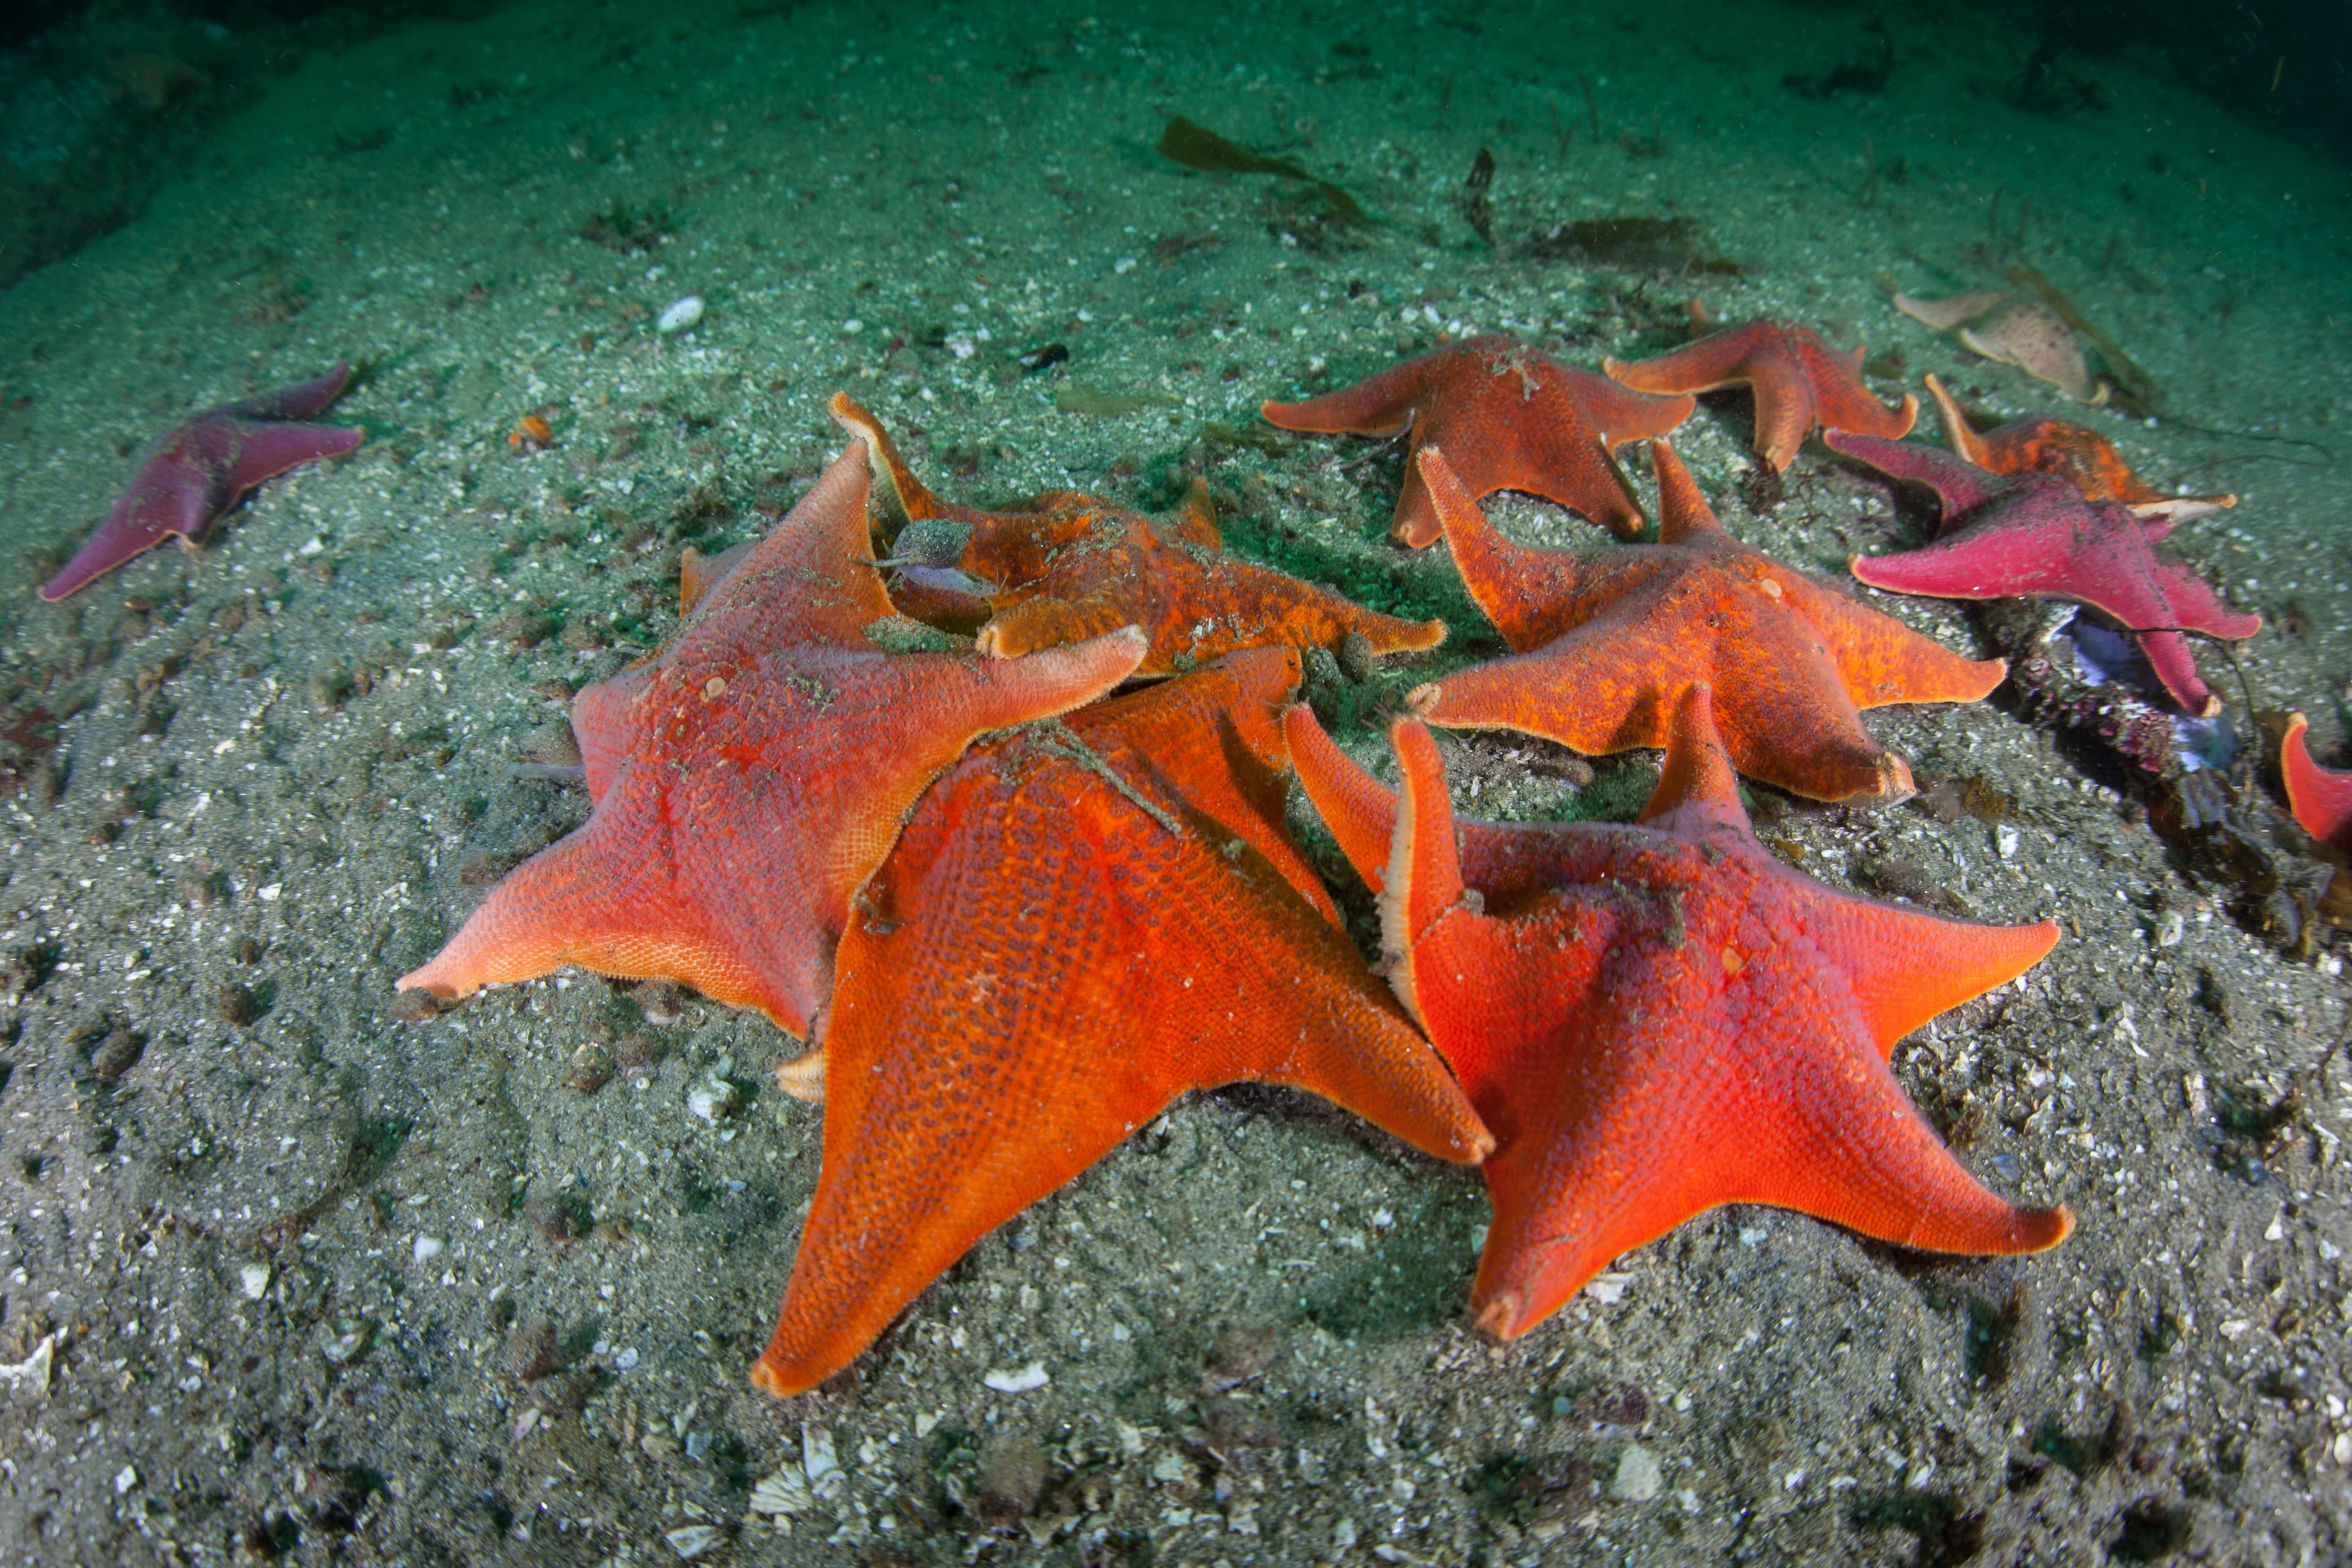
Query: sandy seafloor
304, 1277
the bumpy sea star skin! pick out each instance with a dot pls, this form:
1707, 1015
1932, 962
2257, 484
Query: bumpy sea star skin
1509, 417
2321, 798
2034, 533
751, 777
202, 466
1081, 923
2038, 444
1068, 565
1607, 641
1800, 382
1674, 1022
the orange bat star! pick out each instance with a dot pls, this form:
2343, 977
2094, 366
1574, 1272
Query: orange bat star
748, 779
1512, 417
1800, 382
1672, 1020
2038, 444
1068, 565
1081, 923
2320, 798
1607, 642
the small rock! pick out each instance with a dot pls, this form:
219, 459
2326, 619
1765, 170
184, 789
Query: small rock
415, 1007
692, 1541
713, 1100
681, 315
348, 1340
592, 1068
532, 1351
1358, 661
118, 1054
253, 1281
239, 1007
1012, 1475
1639, 1476
425, 1249
1021, 1381
124, 1479
659, 1001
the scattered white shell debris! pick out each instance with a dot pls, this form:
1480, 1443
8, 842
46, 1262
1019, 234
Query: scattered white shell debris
1021, 1382
819, 1465
2004, 841
626, 1359
1608, 1289
124, 1479
253, 1280
681, 315
713, 1098
425, 1248
690, 1542
1639, 1476
785, 1492
35, 1368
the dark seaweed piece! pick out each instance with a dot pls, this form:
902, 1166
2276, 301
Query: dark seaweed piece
1632, 244
1198, 147
1867, 75
2044, 87
1044, 357
1476, 210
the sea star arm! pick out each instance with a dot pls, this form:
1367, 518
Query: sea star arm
168, 499
1959, 485
2196, 606
1881, 660
2175, 668
1025, 626
1839, 401
1522, 590
1785, 717
1905, 967
1382, 406
898, 496
1849, 1148
580, 901
256, 452
821, 556
1719, 359
1504, 863
1195, 521
2320, 799
304, 400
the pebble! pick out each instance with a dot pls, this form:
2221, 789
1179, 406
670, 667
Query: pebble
425, 1249
681, 315
692, 1541
713, 1100
252, 1281
1639, 1476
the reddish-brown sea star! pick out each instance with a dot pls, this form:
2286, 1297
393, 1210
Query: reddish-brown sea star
1607, 641
1670, 1021
1509, 417
1082, 922
751, 777
1800, 382
202, 466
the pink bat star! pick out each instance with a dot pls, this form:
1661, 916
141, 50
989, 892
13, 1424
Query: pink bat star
200, 469
2035, 534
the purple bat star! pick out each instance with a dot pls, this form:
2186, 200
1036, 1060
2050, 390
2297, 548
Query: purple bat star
202, 466
2034, 533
